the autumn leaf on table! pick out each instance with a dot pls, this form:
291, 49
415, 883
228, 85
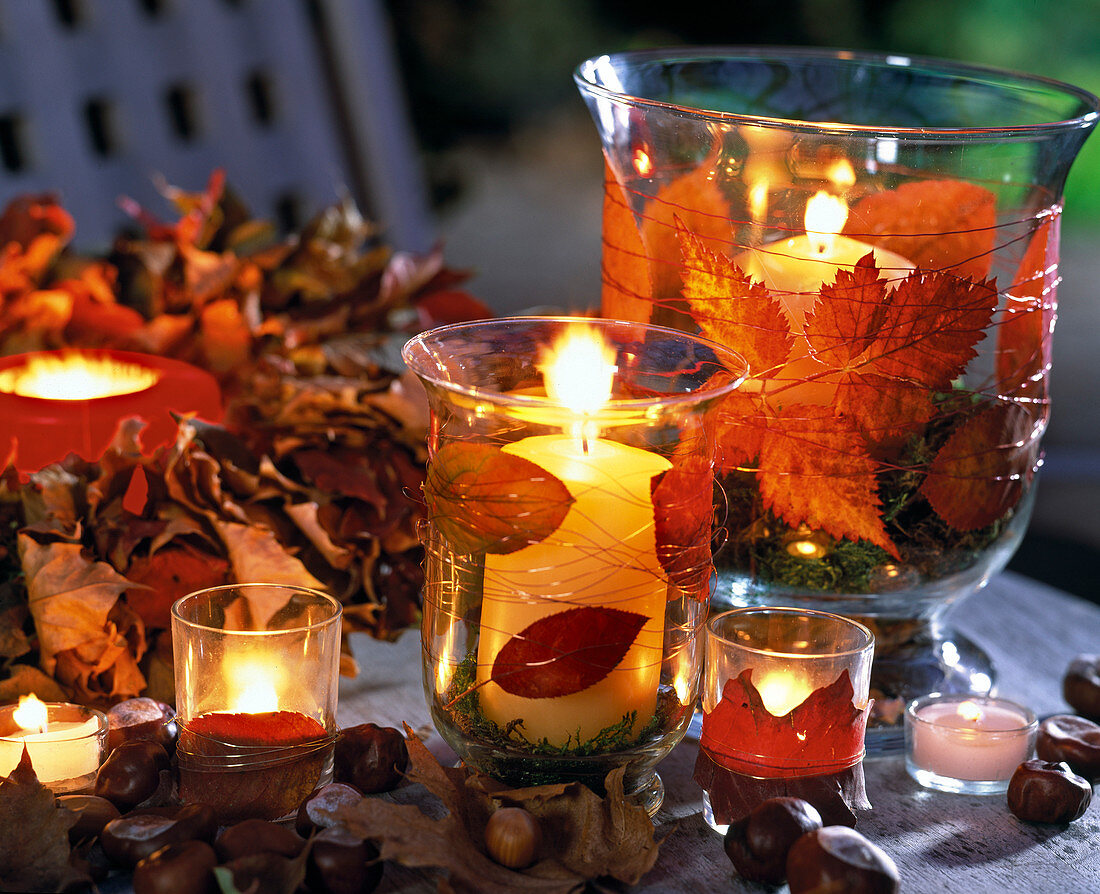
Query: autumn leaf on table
35, 835
981, 471
169, 574
485, 500
823, 734
627, 288
566, 652
939, 225
1027, 319
585, 837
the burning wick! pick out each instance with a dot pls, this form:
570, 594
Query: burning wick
31, 714
579, 373
825, 217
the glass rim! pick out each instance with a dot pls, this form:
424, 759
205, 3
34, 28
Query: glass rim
745, 611
1014, 81
86, 713
333, 602
726, 356
1032, 720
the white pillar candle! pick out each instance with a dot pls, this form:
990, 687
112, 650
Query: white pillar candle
969, 738
65, 745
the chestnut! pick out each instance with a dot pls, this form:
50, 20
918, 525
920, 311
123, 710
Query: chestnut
1046, 792
513, 837
141, 718
1081, 686
257, 836
1073, 739
182, 868
341, 862
319, 809
133, 837
372, 758
131, 773
757, 844
92, 814
838, 858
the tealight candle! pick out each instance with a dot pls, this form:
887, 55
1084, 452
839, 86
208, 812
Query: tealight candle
967, 744
66, 743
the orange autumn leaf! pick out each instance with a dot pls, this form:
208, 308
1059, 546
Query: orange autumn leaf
742, 420
815, 470
980, 472
683, 508
945, 225
730, 308
627, 292
169, 574
694, 199
1027, 319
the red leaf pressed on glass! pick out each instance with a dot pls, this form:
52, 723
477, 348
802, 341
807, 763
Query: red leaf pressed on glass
822, 735
741, 426
815, 470
730, 308
692, 200
1027, 319
980, 472
485, 500
566, 652
935, 224
627, 288
251, 765
683, 509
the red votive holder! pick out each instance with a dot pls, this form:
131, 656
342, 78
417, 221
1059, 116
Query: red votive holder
256, 669
785, 705
53, 403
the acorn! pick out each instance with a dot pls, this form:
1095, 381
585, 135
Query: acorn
513, 837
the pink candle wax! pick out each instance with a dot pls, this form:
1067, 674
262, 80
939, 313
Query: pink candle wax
968, 738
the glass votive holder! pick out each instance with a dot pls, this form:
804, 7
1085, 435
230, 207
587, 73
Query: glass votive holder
785, 706
66, 743
966, 744
257, 668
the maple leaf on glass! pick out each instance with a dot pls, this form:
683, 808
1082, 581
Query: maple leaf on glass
566, 652
815, 470
980, 472
1026, 322
485, 500
823, 734
683, 509
627, 288
935, 224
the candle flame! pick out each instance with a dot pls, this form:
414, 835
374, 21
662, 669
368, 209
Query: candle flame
31, 713
842, 173
643, 164
579, 370
969, 711
825, 217
781, 693
76, 376
253, 690
683, 689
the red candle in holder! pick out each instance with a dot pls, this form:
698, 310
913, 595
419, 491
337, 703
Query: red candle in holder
53, 403
256, 677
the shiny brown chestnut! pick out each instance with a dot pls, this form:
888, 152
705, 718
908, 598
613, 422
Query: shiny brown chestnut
131, 773
757, 844
341, 862
318, 811
1081, 686
838, 858
141, 718
183, 868
1073, 739
257, 836
131, 838
1045, 792
372, 758
92, 814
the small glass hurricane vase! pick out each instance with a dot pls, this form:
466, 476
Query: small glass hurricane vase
568, 554
878, 237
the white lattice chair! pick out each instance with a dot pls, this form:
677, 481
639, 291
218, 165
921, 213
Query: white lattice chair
298, 101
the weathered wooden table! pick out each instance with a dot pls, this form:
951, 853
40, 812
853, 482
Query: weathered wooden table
941, 842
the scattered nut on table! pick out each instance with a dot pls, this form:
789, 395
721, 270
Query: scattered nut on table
838, 858
757, 844
1046, 792
1073, 739
372, 758
1081, 686
513, 837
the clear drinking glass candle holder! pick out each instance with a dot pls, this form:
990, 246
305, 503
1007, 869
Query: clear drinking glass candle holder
568, 547
65, 751
257, 668
967, 745
785, 698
